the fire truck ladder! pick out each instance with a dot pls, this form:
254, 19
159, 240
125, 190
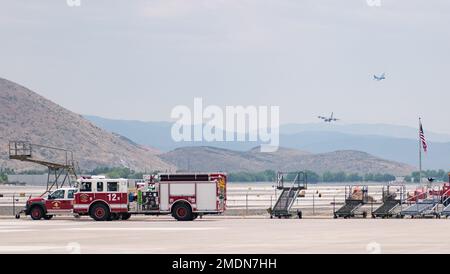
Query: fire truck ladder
391, 201
352, 204
288, 194
59, 173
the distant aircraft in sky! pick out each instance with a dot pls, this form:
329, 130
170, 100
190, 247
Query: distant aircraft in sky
379, 78
328, 119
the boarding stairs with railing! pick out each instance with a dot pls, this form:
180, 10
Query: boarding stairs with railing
428, 206
445, 212
61, 171
288, 195
352, 204
386, 209
392, 201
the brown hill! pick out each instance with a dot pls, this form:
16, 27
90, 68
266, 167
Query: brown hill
25, 115
210, 158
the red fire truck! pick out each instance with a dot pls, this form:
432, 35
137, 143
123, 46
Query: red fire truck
184, 196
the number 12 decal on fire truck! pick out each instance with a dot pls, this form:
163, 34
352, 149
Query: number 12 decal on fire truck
113, 197
184, 196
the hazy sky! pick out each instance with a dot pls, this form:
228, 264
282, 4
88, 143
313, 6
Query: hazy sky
138, 59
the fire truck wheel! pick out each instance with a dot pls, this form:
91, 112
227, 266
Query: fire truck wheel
125, 216
114, 217
100, 212
182, 212
48, 217
37, 213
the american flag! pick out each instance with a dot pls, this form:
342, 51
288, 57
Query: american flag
422, 138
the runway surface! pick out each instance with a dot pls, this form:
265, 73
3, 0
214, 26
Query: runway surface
225, 235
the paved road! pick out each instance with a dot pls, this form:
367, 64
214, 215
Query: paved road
225, 235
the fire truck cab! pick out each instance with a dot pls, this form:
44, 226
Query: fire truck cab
184, 196
102, 199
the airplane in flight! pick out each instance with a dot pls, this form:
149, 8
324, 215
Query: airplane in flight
328, 119
379, 78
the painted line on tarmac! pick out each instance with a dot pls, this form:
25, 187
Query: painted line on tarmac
27, 248
139, 228
16, 230
39, 223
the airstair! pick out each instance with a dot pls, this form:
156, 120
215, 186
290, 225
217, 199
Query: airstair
61, 169
422, 208
392, 201
428, 205
445, 212
288, 194
356, 197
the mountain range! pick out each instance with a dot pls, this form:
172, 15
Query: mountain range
391, 142
285, 159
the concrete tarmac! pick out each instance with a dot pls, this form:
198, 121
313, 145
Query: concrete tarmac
218, 234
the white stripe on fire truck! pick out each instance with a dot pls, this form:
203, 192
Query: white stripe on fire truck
119, 206
80, 206
115, 206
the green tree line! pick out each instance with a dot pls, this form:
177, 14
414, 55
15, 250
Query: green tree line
438, 175
313, 177
3, 177
4, 174
263, 176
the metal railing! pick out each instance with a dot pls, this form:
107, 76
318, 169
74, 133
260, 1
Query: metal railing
20, 148
14, 202
25, 149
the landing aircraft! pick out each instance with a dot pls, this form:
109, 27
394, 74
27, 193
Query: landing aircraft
379, 78
328, 119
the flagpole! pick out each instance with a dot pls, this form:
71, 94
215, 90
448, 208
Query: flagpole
420, 155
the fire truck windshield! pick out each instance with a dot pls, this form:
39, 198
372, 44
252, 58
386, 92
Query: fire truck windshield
58, 194
86, 187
